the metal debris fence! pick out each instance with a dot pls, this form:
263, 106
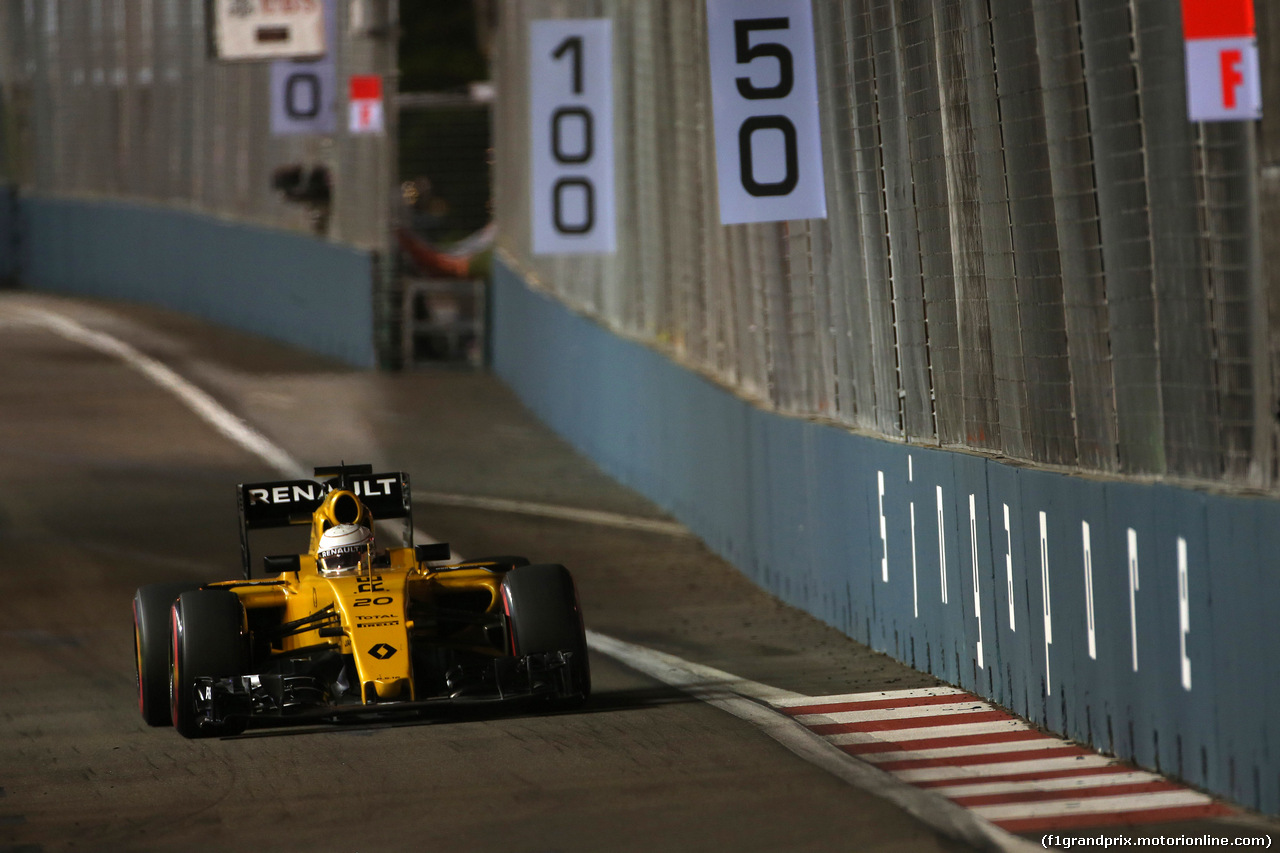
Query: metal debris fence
121, 99
1029, 250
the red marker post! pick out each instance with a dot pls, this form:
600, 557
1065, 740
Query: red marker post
1223, 82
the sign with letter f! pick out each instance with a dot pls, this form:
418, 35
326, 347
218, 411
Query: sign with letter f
1223, 83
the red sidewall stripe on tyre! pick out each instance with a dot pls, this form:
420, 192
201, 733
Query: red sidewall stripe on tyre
175, 673
137, 653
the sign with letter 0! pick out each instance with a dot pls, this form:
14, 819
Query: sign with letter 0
302, 95
303, 91
764, 93
571, 121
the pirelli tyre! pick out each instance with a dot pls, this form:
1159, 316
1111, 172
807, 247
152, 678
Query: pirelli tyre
151, 605
543, 617
206, 638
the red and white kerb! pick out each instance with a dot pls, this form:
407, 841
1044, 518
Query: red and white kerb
1223, 82
988, 761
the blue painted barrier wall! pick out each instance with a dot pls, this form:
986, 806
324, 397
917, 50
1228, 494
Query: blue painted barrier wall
290, 287
1136, 617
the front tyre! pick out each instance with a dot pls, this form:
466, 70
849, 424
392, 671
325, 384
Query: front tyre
206, 641
151, 606
543, 616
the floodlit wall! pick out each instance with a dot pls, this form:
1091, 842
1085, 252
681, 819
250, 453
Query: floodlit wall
1029, 250
294, 288
1135, 616
1007, 413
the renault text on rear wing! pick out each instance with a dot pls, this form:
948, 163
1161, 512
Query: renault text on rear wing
283, 502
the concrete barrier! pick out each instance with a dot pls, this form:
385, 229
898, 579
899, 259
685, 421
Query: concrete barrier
1137, 617
290, 287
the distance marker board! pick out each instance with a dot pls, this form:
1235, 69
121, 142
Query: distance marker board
764, 93
571, 127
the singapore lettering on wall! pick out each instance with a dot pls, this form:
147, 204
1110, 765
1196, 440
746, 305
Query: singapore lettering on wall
1058, 553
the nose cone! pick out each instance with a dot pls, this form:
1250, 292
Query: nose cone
382, 689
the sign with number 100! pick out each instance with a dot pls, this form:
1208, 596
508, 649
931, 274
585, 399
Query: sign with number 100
764, 93
571, 122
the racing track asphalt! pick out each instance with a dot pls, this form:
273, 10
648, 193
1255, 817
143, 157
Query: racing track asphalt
108, 482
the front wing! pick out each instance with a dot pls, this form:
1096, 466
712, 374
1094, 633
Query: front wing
298, 698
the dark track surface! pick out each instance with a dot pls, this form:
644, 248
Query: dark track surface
109, 482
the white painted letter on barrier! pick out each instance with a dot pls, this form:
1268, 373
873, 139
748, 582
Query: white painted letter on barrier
1133, 588
1044, 589
884, 535
915, 594
1088, 590
1008, 565
977, 599
1184, 613
942, 547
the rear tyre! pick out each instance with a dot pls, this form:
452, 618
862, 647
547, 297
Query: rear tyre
151, 605
205, 635
543, 616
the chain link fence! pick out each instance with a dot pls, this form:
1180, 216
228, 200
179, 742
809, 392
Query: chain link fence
121, 99
1029, 250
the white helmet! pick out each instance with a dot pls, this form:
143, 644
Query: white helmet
343, 548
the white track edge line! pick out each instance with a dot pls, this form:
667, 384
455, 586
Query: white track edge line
195, 398
587, 516
216, 415
707, 683
879, 696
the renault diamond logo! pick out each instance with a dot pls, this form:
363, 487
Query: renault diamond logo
382, 651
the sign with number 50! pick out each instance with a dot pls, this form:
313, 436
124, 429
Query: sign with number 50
571, 122
764, 91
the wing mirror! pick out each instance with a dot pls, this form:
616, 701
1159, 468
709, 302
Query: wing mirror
432, 553
279, 564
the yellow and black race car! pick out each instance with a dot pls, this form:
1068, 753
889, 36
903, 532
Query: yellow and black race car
349, 629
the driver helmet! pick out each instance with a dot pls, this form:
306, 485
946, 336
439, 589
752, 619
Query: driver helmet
344, 548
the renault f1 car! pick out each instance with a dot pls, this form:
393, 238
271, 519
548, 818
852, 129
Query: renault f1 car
345, 629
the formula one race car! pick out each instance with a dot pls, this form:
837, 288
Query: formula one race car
347, 629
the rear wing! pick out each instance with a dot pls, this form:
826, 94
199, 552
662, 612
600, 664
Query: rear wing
281, 503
